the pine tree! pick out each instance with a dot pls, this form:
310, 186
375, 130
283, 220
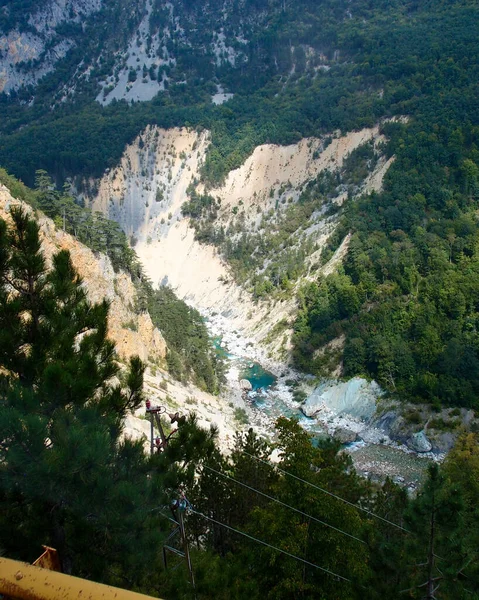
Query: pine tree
66, 477
435, 553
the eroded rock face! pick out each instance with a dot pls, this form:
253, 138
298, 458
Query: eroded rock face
356, 398
146, 191
133, 334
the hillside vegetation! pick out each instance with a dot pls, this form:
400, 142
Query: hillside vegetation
290, 520
310, 528
407, 298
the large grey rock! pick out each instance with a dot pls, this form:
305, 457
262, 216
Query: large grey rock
443, 441
419, 442
356, 398
345, 436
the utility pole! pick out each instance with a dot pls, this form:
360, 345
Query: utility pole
159, 444
178, 509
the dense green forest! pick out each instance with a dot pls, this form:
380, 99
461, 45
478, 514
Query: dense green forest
190, 349
406, 299
304, 527
403, 58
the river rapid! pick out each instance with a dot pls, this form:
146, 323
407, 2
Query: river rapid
273, 395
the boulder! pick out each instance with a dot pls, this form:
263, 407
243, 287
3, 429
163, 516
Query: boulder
245, 385
419, 442
356, 398
345, 436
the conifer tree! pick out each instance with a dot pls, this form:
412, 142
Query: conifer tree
434, 551
67, 479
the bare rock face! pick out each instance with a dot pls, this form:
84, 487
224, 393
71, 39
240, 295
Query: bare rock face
146, 191
41, 45
356, 398
133, 334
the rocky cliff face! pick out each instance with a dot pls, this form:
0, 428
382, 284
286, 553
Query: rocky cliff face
146, 191
133, 50
133, 334
31, 50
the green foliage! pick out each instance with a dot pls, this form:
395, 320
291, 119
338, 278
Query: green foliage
69, 480
241, 416
407, 301
253, 570
66, 478
190, 351
17, 188
92, 229
370, 60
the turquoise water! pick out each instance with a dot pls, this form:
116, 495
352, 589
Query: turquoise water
257, 376
220, 351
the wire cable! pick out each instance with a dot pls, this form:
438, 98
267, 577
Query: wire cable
286, 505
269, 545
371, 514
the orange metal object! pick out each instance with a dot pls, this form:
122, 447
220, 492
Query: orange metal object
27, 582
48, 560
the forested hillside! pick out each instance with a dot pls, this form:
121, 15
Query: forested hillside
401, 304
407, 299
305, 526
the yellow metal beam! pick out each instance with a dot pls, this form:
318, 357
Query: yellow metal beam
27, 582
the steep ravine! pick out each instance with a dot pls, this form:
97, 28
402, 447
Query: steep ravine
146, 191
145, 194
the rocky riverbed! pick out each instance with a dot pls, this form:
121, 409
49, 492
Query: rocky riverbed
354, 411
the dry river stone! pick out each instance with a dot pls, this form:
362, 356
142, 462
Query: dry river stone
245, 385
345, 436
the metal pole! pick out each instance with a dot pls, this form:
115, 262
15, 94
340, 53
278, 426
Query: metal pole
186, 549
152, 434
160, 429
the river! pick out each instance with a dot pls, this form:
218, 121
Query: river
272, 397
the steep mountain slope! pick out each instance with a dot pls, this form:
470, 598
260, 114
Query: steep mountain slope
133, 332
146, 194
296, 71
32, 41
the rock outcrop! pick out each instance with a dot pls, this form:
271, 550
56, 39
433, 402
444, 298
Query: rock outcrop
133, 334
355, 398
245, 385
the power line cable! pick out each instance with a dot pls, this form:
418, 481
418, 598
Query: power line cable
371, 514
163, 514
269, 545
286, 505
